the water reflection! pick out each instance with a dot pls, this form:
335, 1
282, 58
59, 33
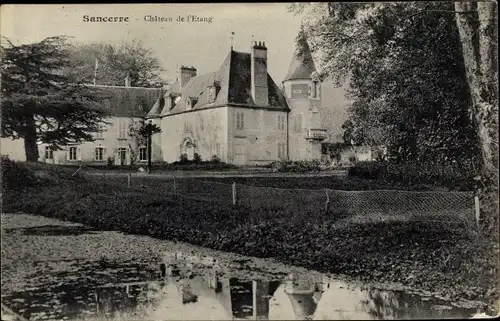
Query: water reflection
201, 288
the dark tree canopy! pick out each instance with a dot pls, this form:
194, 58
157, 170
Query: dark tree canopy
42, 104
404, 67
113, 64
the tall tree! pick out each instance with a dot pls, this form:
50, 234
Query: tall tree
477, 24
39, 102
140, 131
435, 66
110, 64
406, 78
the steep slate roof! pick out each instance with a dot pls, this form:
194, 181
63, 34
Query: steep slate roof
302, 65
234, 79
127, 101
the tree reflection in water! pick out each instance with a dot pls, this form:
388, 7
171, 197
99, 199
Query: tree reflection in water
198, 288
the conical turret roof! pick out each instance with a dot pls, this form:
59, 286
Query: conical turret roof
302, 65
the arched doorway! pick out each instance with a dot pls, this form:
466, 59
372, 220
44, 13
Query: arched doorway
188, 148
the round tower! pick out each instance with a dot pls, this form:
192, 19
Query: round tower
302, 88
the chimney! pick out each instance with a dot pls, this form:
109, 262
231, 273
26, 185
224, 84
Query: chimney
186, 74
127, 80
260, 92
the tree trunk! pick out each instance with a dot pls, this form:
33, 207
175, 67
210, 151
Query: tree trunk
479, 44
30, 140
149, 141
476, 22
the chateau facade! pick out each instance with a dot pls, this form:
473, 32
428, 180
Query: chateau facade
236, 113
239, 114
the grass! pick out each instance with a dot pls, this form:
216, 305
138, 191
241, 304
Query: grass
436, 253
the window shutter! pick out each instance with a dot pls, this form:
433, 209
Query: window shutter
68, 152
79, 154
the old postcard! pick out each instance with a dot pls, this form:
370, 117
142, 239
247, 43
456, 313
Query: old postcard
262, 161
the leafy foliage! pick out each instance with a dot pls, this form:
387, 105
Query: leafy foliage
196, 158
114, 63
452, 177
16, 175
40, 103
406, 77
296, 166
139, 131
443, 253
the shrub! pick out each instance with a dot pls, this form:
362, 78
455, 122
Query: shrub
453, 177
215, 159
196, 158
111, 161
296, 166
16, 175
183, 159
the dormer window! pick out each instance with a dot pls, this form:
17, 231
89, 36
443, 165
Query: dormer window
213, 91
192, 101
211, 95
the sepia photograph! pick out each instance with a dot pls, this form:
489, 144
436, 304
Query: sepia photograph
249, 161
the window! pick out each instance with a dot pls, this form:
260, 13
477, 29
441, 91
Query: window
49, 153
281, 151
99, 133
297, 125
315, 88
192, 101
281, 122
99, 153
240, 121
72, 153
211, 94
143, 155
122, 130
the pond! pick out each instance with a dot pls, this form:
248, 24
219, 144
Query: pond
196, 287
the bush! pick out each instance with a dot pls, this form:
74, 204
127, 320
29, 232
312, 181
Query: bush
296, 166
215, 159
453, 177
183, 159
196, 158
16, 175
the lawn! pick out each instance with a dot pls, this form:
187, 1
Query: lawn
439, 254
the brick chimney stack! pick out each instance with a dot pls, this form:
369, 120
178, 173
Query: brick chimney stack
260, 93
186, 74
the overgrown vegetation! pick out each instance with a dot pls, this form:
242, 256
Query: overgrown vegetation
423, 81
16, 175
451, 177
444, 257
296, 166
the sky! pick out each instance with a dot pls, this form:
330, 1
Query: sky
200, 44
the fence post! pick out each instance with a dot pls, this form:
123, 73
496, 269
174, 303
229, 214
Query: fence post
477, 209
327, 199
234, 193
129, 178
